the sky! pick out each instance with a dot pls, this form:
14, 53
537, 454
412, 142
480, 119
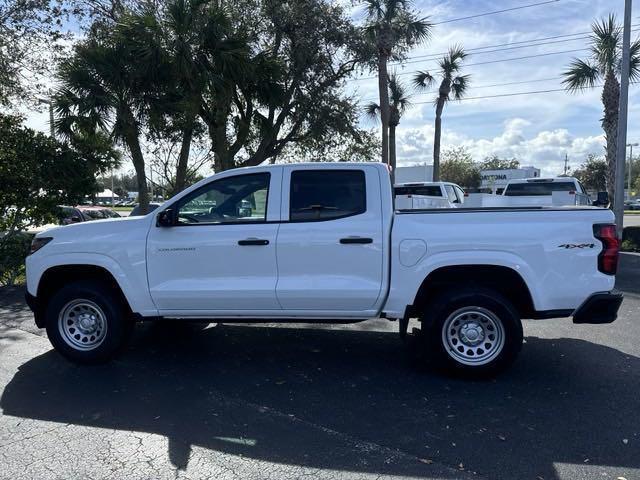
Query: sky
537, 129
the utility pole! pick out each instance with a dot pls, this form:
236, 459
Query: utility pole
566, 161
618, 203
48, 101
630, 145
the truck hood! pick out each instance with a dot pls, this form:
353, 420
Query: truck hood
84, 232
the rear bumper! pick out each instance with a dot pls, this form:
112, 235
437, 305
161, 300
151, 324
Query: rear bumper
36, 308
599, 308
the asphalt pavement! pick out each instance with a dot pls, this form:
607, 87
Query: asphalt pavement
290, 401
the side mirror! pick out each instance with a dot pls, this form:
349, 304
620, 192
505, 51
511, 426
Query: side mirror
75, 219
602, 199
165, 218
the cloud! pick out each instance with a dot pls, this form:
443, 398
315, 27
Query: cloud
544, 149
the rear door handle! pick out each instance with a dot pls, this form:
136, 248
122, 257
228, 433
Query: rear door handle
352, 240
253, 241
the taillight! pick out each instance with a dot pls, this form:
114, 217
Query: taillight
608, 257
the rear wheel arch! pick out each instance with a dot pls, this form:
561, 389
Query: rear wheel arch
504, 280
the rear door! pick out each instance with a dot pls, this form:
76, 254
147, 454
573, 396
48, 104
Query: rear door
330, 245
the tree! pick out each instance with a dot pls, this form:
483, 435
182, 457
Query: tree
102, 93
494, 162
451, 83
37, 175
603, 64
399, 102
189, 49
458, 167
30, 35
393, 28
593, 173
294, 93
334, 148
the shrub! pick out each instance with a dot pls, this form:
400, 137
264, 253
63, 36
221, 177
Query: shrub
13, 251
631, 239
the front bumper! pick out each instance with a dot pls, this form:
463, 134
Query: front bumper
599, 308
36, 308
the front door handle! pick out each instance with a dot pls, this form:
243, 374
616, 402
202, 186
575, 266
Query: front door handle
253, 241
353, 240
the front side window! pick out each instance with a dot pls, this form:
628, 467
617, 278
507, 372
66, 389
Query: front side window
326, 194
237, 199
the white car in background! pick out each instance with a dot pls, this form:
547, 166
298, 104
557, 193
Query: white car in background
426, 195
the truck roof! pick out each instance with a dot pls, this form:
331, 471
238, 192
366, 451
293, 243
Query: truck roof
541, 180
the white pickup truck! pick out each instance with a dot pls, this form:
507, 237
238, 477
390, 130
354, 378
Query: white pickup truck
322, 243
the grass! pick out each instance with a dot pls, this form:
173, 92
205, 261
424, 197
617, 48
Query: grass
632, 212
128, 209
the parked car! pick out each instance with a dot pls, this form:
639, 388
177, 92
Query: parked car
322, 243
419, 195
136, 210
632, 205
68, 215
97, 212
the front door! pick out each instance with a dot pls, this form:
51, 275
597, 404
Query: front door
220, 255
330, 245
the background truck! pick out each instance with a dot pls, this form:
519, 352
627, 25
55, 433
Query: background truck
322, 243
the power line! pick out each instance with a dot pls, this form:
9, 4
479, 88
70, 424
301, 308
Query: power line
437, 57
496, 12
474, 87
511, 59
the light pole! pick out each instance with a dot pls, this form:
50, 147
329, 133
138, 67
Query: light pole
618, 203
630, 145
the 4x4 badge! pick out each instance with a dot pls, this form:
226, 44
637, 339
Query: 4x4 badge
577, 245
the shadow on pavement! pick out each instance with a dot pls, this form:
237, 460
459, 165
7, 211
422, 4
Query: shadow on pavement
319, 398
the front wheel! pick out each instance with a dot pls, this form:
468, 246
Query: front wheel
87, 322
473, 331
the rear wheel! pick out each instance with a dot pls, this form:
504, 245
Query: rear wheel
87, 322
472, 331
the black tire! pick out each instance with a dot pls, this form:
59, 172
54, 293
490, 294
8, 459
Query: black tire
105, 337
485, 341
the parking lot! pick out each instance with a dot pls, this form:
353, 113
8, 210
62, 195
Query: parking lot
233, 401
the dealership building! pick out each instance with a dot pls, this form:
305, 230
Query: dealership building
495, 180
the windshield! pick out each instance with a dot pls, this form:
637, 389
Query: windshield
428, 190
538, 188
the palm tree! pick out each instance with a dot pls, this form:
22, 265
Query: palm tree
399, 102
453, 86
100, 93
393, 27
603, 63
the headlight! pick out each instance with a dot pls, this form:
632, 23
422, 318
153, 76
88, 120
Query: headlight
38, 242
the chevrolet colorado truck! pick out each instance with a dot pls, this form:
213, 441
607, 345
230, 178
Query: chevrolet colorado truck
322, 243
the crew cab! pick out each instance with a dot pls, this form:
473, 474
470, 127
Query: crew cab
322, 243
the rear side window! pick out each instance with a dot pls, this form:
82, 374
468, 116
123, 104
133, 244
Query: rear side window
326, 194
451, 194
428, 190
538, 188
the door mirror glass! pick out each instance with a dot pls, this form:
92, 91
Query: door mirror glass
165, 218
603, 199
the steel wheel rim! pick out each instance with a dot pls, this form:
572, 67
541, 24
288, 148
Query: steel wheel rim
82, 324
473, 336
